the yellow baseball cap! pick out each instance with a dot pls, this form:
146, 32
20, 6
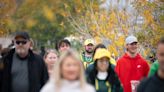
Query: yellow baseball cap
101, 52
88, 41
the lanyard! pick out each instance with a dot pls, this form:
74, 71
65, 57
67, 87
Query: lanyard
106, 83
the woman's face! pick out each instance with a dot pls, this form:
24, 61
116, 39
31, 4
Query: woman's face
50, 59
102, 64
70, 68
64, 47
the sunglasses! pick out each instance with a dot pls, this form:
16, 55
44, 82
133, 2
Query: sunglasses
21, 42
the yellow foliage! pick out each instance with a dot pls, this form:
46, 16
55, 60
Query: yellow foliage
148, 17
65, 5
93, 27
124, 28
112, 36
113, 18
2, 32
64, 14
112, 49
48, 13
120, 41
110, 25
97, 39
30, 23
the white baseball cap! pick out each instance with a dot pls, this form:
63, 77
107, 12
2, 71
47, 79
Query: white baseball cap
131, 39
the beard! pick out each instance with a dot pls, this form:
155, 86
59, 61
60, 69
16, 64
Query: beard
20, 51
89, 51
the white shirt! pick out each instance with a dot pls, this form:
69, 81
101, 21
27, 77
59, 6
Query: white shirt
67, 86
102, 75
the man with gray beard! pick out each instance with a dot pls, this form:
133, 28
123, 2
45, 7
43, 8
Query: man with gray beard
23, 70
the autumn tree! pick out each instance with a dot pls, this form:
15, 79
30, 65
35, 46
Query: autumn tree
45, 20
6, 10
112, 24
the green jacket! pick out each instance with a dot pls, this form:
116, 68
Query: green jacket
154, 68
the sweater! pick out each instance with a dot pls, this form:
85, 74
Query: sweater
67, 86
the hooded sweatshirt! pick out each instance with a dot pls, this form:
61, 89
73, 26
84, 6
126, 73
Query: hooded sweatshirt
131, 69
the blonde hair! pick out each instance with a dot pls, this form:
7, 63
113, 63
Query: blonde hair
57, 75
50, 51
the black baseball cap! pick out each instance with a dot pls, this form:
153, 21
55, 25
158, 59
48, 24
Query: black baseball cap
22, 34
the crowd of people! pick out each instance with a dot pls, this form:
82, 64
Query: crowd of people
66, 70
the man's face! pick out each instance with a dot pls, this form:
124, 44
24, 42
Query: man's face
160, 56
132, 48
89, 48
22, 46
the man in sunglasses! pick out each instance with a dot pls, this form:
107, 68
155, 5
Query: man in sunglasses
23, 70
131, 67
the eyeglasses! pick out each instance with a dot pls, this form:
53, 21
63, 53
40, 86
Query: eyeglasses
21, 42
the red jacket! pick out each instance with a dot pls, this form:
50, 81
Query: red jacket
129, 69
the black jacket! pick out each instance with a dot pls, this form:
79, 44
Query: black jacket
151, 84
37, 70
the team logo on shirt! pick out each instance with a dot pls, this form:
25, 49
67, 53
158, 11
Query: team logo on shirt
138, 66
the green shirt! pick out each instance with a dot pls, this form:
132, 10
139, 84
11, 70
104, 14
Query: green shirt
154, 68
86, 60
